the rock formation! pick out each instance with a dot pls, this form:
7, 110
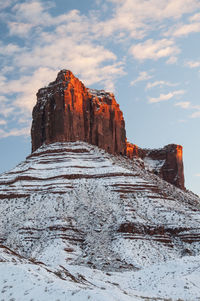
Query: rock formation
67, 111
166, 162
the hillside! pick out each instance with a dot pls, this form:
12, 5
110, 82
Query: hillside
87, 223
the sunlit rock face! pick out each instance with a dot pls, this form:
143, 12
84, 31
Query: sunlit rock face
67, 111
166, 162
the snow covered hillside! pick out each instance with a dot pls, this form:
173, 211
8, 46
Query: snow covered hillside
80, 224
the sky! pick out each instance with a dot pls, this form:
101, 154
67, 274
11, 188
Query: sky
147, 52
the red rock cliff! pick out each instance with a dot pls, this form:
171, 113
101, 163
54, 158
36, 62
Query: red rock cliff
166, 162
67, 111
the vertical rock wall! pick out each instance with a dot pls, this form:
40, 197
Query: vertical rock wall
67, 111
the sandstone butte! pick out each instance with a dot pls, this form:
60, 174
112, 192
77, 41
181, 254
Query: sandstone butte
68, 111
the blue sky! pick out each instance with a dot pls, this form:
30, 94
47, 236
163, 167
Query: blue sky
145, 51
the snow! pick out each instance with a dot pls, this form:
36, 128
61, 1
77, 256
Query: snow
153, 165
65, 230
173, 280
100, 93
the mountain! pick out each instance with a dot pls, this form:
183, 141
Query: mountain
81, 221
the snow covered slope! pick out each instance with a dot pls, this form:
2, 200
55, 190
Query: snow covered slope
78, 224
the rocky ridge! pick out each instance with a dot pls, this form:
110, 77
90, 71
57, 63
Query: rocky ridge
67, 111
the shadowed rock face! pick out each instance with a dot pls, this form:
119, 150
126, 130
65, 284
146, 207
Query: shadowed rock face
172, 168
166, 162
67, 111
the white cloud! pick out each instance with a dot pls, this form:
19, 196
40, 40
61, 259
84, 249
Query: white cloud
172, 60
35, 14
193, 64
32, 12
183, 104
195, 114
186, 29
188, 105
164, 97
3, 122
195, 17
7, 69
9, 49
154, 49
138, 17
26, 88
143, 75
20, 29
7, 3
160, 83
5, 109
15, 132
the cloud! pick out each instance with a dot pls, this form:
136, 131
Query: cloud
183, 104
7, 3
193, 64
5, 110
154, 49
164, 97
172, 60
138, 17
20, 29
195, 17
195, 114
33, 12
188, 105
143, 75
160, 83
9, 49
186, 29
15, 132
3, 122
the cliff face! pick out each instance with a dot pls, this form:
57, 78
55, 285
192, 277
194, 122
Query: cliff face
171, 168
67, 111
166, 162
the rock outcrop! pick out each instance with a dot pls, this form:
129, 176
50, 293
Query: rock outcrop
166, 162
67, 111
